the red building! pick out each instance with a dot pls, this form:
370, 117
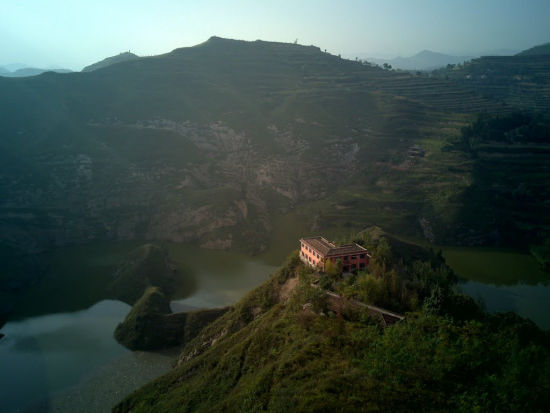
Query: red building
315, 251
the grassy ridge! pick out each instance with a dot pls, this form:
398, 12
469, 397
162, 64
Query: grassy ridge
272, 353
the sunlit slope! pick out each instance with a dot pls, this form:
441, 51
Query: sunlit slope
207, 143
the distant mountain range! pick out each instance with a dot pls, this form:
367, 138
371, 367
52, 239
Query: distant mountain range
122, 57
430, 60
424, 60
27, 71
22, 70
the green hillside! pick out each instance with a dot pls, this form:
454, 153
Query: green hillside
521, 81
287, 347
211, 143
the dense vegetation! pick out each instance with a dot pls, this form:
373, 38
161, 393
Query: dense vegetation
514, 129
282, 349
402, 277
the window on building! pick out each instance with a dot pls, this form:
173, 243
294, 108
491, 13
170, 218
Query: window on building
362, 256
346, 258
361, 265
353, 257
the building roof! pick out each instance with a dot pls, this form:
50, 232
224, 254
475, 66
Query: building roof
328, 249
346, 250
320, 244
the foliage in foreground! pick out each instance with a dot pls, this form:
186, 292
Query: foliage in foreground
403, 277
271, 354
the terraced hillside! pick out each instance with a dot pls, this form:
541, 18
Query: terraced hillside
210, 143
521, 81
510, 194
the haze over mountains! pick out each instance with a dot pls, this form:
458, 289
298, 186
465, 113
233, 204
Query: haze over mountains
428, 59
22, 70
18, 70
424, 60
210, 143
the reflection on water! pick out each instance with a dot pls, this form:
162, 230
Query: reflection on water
221, 277
495, 266
530, 301
76, 278
504, 280
44, 354
69, 361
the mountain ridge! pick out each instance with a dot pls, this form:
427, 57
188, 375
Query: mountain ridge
542, 49
209, 143
121, 57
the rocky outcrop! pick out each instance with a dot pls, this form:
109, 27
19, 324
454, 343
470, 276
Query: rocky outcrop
151, 326
148, 265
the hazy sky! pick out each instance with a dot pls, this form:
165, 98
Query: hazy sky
75, 33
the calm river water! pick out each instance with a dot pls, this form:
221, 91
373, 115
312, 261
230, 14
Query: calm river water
503, 280
59, 353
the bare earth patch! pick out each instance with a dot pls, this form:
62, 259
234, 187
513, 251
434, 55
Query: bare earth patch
287, 288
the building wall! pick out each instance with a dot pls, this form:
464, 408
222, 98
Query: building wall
311, 256
356, 261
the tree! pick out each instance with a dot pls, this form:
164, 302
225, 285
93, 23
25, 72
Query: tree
331, 269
